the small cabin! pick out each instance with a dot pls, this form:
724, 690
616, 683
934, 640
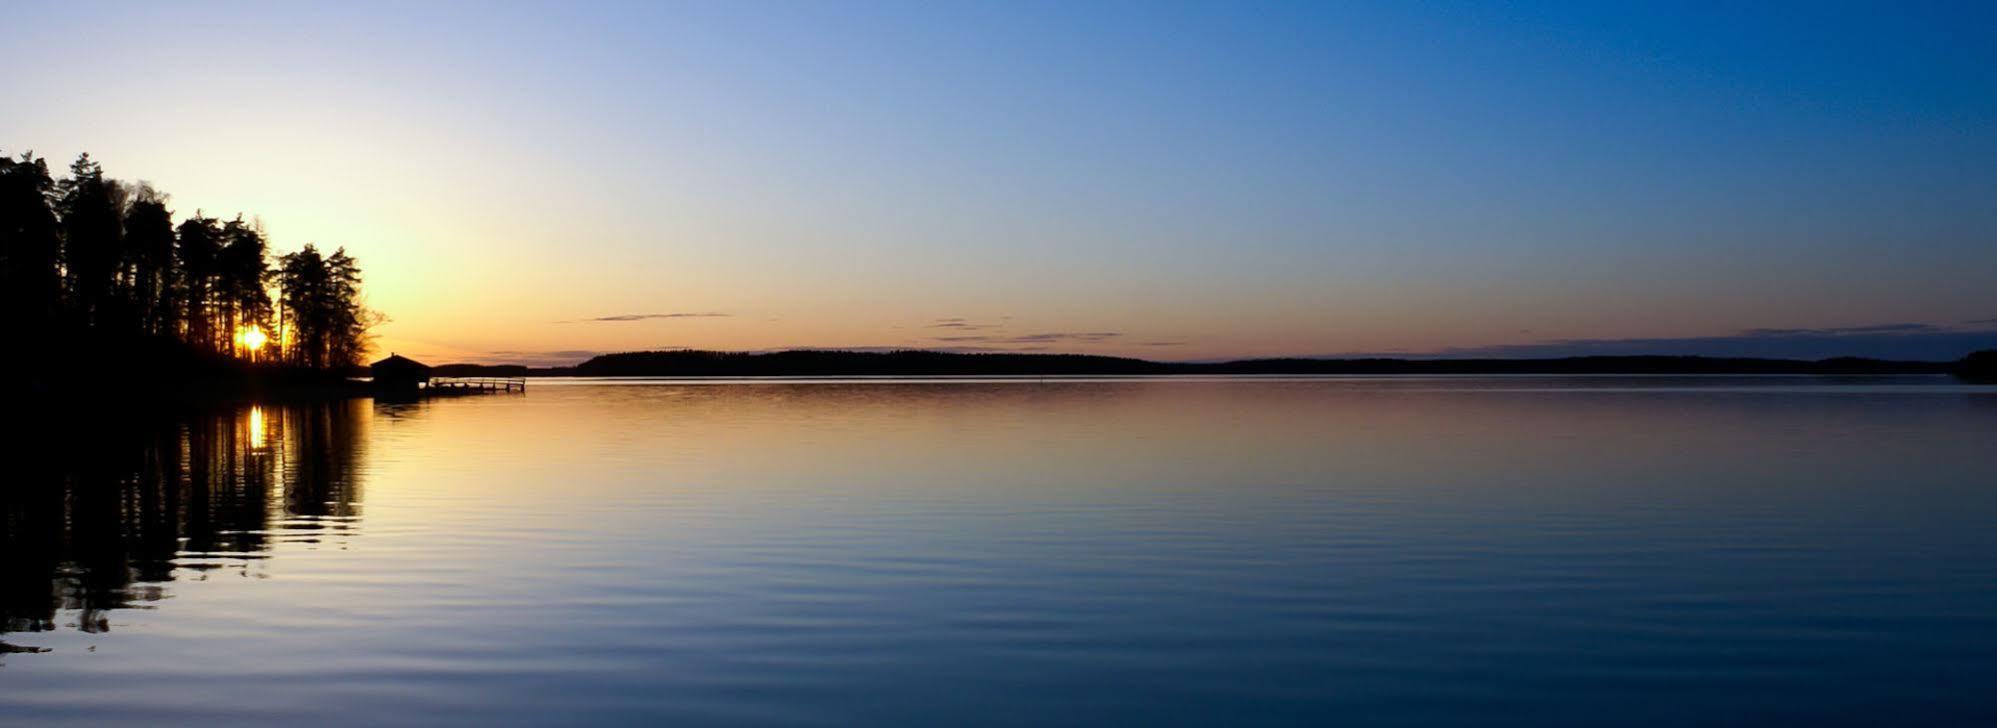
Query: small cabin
399, 373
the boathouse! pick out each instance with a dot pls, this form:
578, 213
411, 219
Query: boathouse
399, 373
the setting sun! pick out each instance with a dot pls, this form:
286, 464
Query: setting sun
251, 338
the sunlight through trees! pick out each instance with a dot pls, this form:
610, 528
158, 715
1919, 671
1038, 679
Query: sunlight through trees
94, 254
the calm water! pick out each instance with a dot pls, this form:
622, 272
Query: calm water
1377, 551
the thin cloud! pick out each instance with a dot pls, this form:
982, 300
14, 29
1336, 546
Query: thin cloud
534, 358
577, 353
1086, 337
1904, 328
1059, 337
960, 324
1905, 341
622, 317
891, 349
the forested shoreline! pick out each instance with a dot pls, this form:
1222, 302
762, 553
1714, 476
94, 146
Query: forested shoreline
102, 275
831, 363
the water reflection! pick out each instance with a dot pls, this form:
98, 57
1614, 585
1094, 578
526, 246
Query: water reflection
104, 514
1403, 551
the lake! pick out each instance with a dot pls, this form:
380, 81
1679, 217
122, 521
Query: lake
1391, 550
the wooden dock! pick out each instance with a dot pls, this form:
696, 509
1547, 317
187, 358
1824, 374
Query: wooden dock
469, 385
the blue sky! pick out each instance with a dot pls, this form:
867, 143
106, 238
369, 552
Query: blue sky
1194, 180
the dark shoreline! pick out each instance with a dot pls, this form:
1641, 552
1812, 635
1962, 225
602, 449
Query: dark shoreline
815, 363
151, 370
168, 376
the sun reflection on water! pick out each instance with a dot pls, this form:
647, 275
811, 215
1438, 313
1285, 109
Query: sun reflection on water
259, 435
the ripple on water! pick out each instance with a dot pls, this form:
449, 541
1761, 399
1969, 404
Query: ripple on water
1296, 552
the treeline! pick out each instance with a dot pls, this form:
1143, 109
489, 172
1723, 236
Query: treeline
820, 363
805, 362
87, 254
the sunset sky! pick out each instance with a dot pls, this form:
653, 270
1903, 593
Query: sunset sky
537, 182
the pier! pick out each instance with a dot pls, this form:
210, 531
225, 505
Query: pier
399, 377
468, 385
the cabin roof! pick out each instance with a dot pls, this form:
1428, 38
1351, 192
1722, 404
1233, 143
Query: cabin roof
399, 363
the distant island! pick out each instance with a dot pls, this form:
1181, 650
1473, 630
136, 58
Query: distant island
824, 363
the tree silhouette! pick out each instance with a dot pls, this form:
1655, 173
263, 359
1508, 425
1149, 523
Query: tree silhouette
321, 302
200, 254
30, 249
241, 275
87, 256
93, 239
347, 320
149, 243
